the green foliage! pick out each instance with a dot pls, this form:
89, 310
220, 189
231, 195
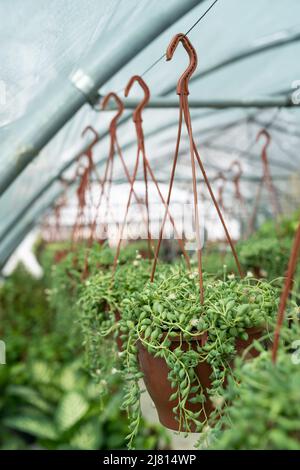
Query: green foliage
128, 307
69, 274
25, 314
267, 251
169, 307
284, 226
61, 409
267, 257
47, 399
100, 305
218, 264
264, 412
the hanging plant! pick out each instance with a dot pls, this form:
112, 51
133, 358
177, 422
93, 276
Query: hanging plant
264, 408
266, 252
185, 350
67, 281
265, 257
66, 276
264, 413
100, 307
183, 330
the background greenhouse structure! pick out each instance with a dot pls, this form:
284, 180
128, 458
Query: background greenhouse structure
59, 59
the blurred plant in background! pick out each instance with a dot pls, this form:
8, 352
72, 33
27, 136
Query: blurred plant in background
264, 410
267, 251
47, 398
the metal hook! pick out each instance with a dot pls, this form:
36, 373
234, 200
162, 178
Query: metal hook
120, 105
266, 172
222, 182
137, 115
96, 136
239, 172
182, 85
81, 169
221, 178
266, 134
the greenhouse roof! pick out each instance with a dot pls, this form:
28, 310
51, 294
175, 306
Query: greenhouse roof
58, 59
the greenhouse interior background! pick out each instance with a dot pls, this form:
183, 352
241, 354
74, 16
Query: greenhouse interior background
149, 229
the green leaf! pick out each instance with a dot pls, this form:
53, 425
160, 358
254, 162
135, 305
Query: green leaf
41, 372
68, 379
148, 332
71, 409
30, 396
36, 426
173, 396
88, 436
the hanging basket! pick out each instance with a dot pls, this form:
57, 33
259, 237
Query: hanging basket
156, 371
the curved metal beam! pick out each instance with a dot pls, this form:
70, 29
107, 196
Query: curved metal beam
66, 97
22, 229
70, 158
30, 221
82, 146
222, 103
277, 127
251, 156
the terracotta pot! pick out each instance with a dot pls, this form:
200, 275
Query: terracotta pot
156, 378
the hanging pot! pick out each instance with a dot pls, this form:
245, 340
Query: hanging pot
156, 371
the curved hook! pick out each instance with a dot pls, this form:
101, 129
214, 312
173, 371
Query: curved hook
236, 177
137, 115
182, 85
91, 129
266, 134
81, 169
222, 178
239, 172
120, 106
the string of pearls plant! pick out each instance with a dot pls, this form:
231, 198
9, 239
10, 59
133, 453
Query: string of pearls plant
169, 307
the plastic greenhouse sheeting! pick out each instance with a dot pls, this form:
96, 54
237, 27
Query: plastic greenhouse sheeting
246, 50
